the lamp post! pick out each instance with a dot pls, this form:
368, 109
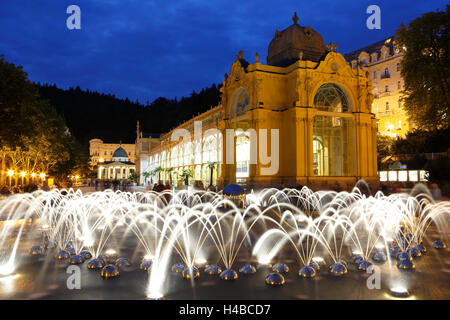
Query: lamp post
10, 174
42, 176
23, 174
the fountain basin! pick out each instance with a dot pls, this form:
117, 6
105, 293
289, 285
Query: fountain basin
62, 255
280, 268
76, 259
96, 264
212, 269
190, 273
247, 269
307, 272
109, 271
338, 269
275, 279
229, 274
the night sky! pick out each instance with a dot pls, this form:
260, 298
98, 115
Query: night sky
144, 49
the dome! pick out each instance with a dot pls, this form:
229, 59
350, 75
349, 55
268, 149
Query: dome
285, 47
120, 153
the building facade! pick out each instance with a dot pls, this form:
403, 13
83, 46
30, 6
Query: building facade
381, 63
101, 152
304, 118
118, 168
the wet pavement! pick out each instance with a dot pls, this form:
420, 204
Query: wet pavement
43, 277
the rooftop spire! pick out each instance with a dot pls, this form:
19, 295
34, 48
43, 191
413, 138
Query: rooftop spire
295, 18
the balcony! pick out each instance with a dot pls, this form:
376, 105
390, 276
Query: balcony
385, 76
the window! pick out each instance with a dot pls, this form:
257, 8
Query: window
398, 66
386, 88
399, 104
330, 97
333, 136
399, 124
374, 74
386, 72
387, 105
399, 85
242, 156
333, 147
239, 103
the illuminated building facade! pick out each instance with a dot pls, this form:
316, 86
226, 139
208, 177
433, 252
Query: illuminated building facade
315, 111
101, 152
118, 168
381, 63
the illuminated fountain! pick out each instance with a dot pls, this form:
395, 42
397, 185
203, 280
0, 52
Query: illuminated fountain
203, 231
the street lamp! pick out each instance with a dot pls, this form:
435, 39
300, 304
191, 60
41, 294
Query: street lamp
10, 174
33, 175
42, 175
23, 174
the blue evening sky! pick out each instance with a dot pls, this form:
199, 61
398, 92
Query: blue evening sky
144, 49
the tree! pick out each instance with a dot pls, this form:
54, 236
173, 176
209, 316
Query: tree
169, 171
211, 166
425, 69
158, 171
384, 148
33, 137
185, 175
146, 175
133, 176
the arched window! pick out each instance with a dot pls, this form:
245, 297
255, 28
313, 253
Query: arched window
330, 97
239, 103
333, 136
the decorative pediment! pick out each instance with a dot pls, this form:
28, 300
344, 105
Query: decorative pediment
237, 73
335, 63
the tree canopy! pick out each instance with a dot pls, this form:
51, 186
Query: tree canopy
91, 114
425, 69
33, 138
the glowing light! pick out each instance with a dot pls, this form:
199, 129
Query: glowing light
200, 261
110, 252
400, 292
318, 259
264, 261
101, 160
10, 173
357, 253
42, 175
33, 175
6, 269
149, 257
155, 295
379, 246
23, 174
